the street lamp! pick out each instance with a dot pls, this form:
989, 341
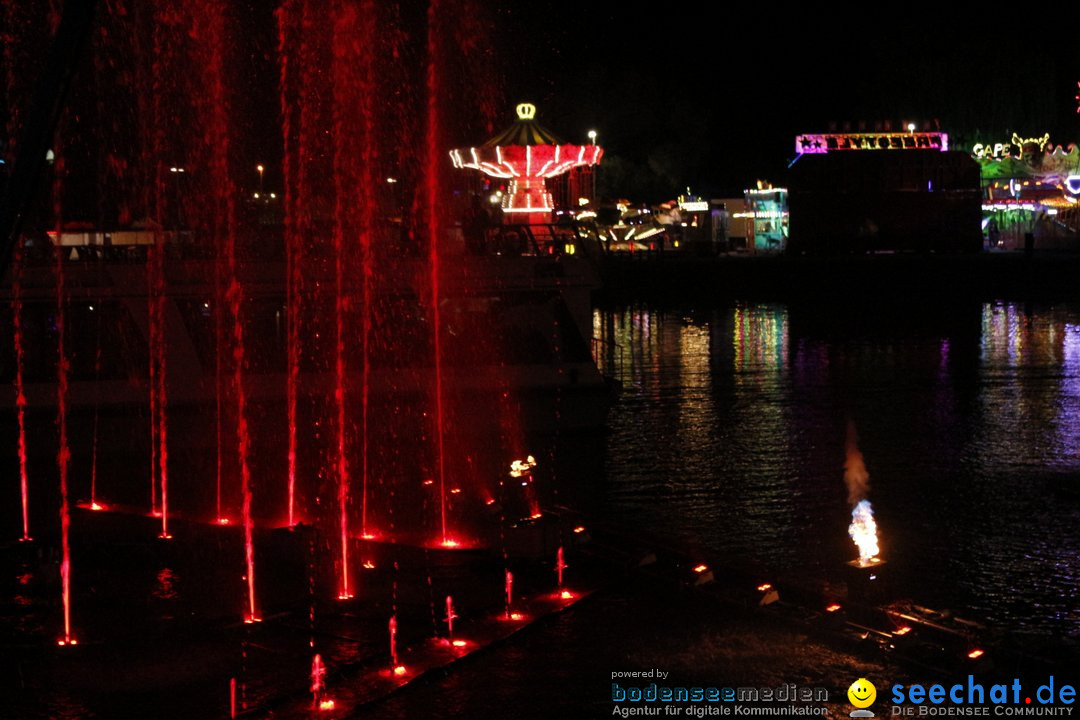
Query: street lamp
592, 198
259, 169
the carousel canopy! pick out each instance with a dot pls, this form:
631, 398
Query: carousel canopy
525, 151
524, 131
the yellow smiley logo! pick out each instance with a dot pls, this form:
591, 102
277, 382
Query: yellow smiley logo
862, 693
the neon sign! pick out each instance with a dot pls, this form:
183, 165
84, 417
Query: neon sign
995, 151
1072, 184
1021, 142
694, 206
1000, 151
821, 143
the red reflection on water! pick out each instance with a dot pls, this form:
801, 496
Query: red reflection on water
450, 616
165, 587
392, 625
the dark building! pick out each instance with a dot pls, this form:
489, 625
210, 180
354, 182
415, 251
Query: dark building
876, 199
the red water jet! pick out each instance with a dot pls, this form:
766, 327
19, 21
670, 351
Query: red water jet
210, 30
352, 34
432, 187
20, 390
156, 270
97, 413
293, 239
151, 319
63, 455
368, 204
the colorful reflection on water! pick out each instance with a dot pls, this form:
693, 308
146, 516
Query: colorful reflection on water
729, 433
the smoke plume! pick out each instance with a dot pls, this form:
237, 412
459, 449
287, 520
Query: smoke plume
856, 477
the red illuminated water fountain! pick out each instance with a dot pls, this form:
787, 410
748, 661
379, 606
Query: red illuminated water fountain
289, 441
526, 155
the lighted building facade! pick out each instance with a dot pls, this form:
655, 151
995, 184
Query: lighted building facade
870, 192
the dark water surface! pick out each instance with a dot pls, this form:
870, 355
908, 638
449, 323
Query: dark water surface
728, 439
730, 430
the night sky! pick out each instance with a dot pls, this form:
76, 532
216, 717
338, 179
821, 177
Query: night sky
688, 94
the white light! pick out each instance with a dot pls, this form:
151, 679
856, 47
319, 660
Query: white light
392, 180
273, 196
256, 196
911, 127
172, 169
592, 136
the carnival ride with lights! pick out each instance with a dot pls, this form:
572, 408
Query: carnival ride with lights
526, 155
1030, 187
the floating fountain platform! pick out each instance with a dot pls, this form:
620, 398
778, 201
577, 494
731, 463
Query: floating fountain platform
865, 581
863, 564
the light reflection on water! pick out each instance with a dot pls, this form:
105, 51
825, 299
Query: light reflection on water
729, 434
